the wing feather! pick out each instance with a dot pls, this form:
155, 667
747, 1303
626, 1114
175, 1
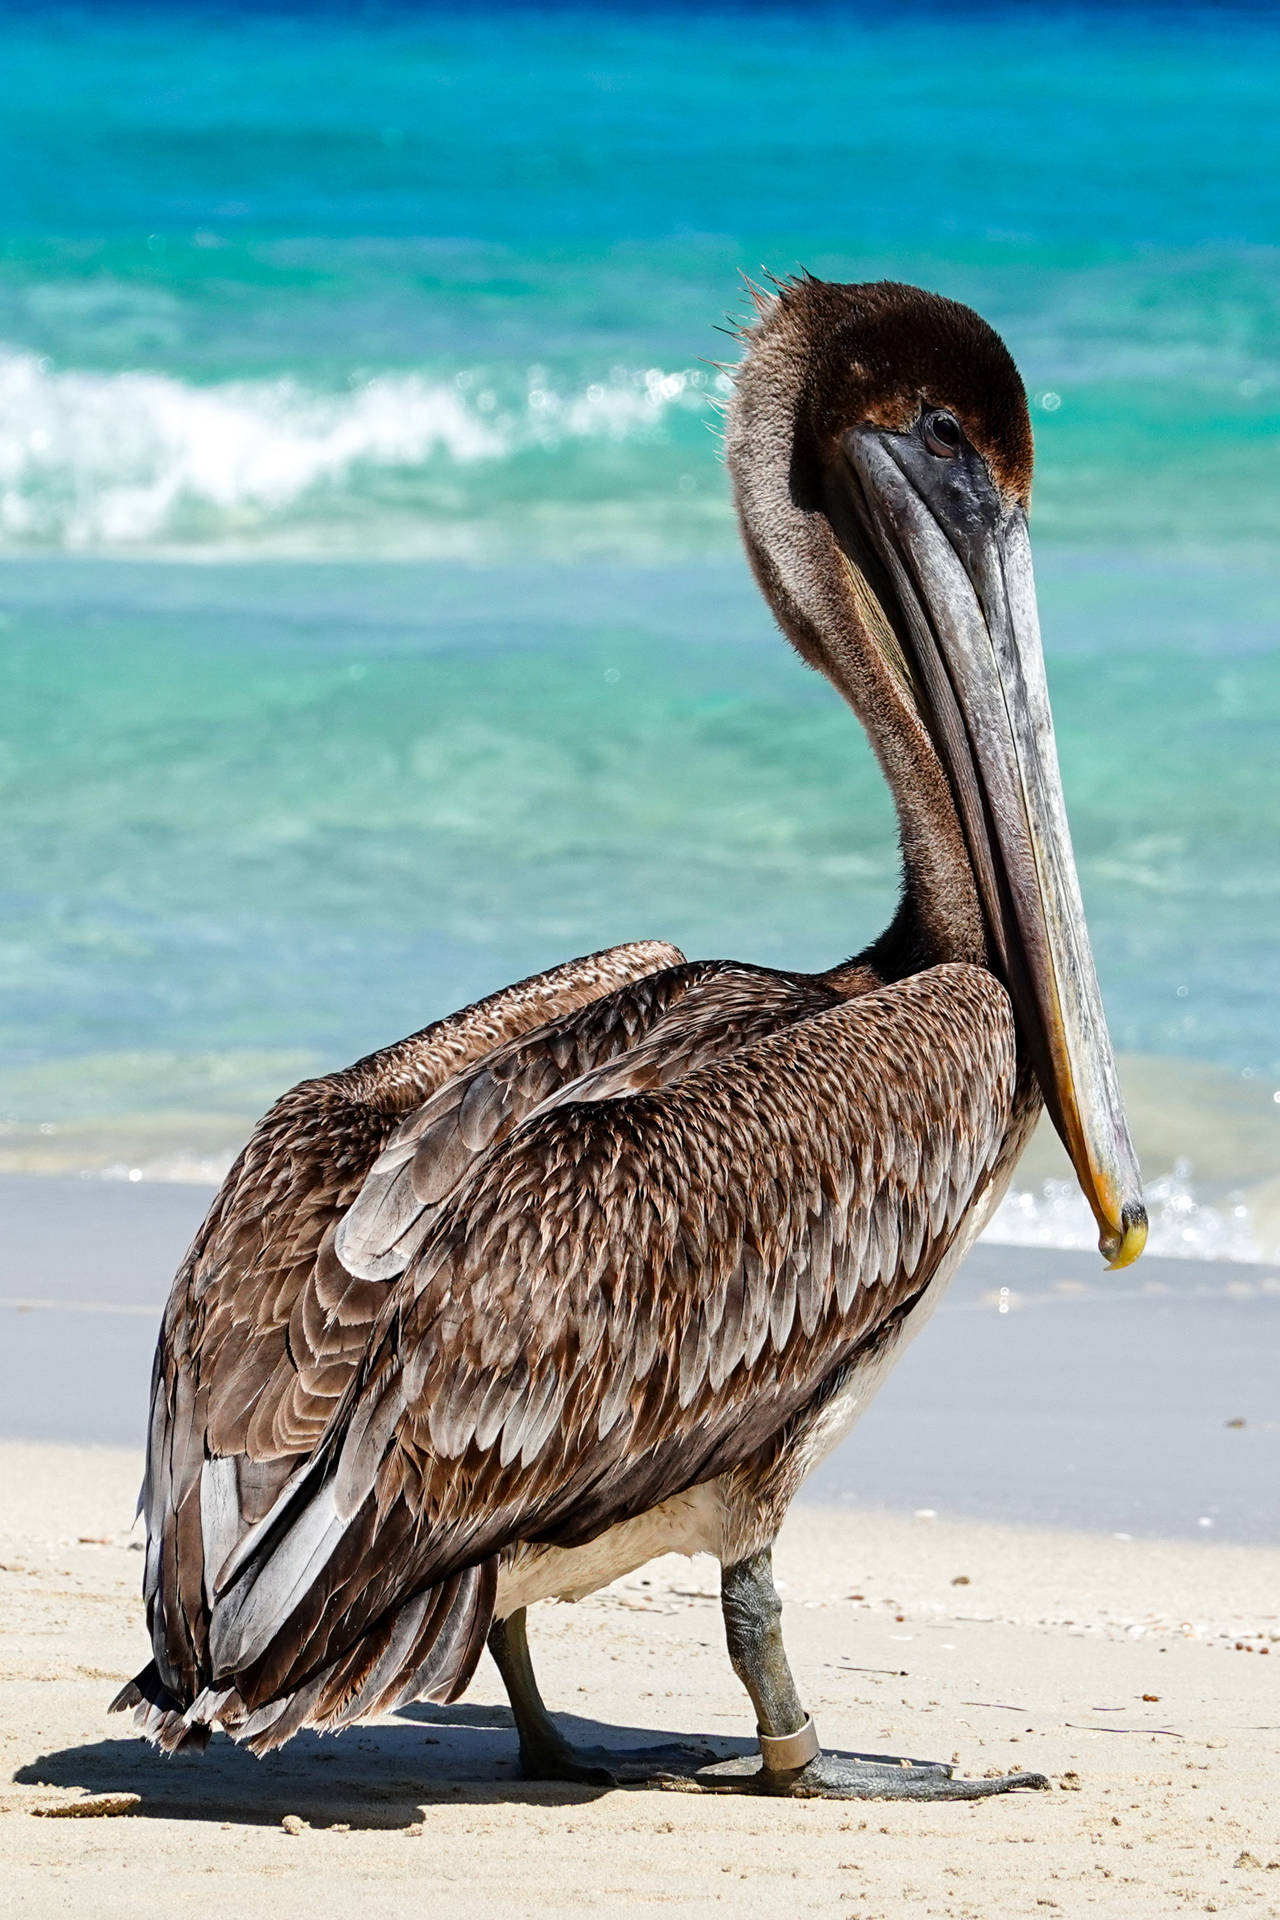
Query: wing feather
651, 1034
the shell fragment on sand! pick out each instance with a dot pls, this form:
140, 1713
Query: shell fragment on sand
97, 1806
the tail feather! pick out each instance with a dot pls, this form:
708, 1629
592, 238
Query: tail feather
425, 1649
158, 1714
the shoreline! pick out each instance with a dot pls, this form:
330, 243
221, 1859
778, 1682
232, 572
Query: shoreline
1207, 1137
1112, 1667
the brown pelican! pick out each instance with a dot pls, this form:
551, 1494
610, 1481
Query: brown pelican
602, 1266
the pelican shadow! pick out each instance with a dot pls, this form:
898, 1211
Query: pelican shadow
382, 1776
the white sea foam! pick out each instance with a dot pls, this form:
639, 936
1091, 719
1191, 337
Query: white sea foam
92, 461
1183, 1225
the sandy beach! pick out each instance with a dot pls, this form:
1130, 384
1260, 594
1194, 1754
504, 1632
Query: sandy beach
1142, 1677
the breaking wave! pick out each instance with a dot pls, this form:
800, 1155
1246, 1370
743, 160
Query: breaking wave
102, 462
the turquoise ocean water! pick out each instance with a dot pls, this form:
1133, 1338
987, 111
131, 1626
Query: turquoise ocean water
373, 627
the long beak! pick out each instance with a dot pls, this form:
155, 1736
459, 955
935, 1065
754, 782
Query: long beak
960, 564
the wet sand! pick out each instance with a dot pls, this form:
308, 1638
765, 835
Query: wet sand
1097, 1401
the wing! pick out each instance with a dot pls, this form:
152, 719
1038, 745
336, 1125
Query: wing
625, 1298
264, 1326
648, 1035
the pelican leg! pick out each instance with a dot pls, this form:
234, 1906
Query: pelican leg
791, 1761
545, 1754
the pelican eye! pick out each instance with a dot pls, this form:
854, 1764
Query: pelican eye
942, 435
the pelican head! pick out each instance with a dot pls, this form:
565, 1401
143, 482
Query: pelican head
881, 452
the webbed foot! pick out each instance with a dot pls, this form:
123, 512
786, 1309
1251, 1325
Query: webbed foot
793, 1764
609, 1766
852, 1776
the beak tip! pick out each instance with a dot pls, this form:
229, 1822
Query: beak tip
1122, 1248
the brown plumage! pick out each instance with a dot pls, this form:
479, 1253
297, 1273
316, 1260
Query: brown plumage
604, 1264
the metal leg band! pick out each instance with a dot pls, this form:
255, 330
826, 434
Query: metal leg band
788, 1752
